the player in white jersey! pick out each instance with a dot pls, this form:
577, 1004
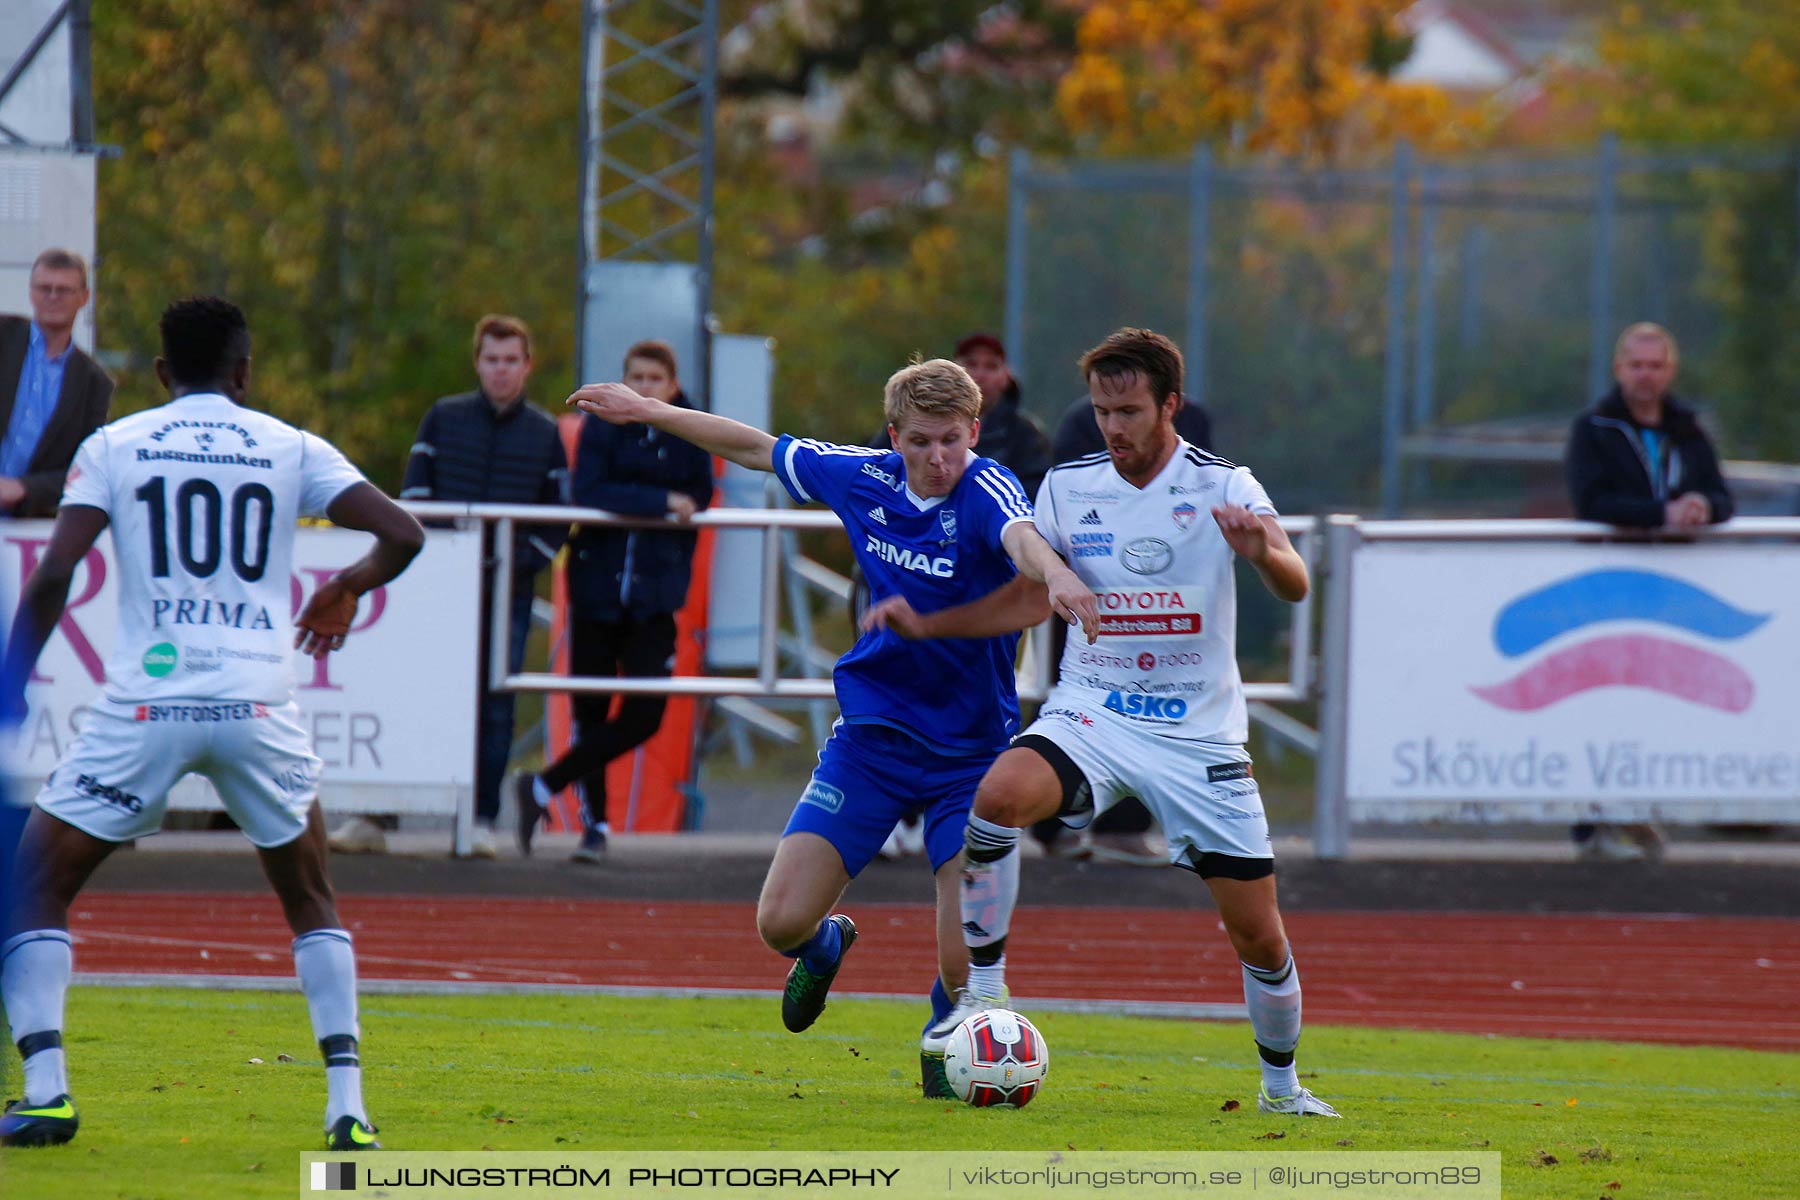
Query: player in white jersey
1154, 708
202, 495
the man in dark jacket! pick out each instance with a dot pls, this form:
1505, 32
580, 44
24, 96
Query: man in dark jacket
1008, 436
52, 395
625, 587
1639, 458
489, 446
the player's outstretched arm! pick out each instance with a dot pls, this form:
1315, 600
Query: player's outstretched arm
1070, 598
1019, 603
325, 622
1260, 539
43, 598
731, 440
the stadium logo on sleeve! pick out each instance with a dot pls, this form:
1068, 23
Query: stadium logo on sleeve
1604, 606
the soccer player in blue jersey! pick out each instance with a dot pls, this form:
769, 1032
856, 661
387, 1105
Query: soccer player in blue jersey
931, 522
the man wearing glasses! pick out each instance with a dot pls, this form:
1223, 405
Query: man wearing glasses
52, 395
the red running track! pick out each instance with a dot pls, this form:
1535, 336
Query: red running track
1698, 980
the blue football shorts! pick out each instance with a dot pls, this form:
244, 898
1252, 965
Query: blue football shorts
870, 777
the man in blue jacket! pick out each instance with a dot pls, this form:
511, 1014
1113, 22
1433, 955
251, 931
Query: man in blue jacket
625, 587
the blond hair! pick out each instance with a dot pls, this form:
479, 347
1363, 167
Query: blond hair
1646, 329
934, 388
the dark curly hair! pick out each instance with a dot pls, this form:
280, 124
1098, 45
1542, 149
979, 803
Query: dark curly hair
203, 337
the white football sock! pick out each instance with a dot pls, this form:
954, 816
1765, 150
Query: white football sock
34, 980
1273, 998
990, 892
326, 964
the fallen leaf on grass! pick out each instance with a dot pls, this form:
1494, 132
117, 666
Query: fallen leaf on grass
1274, 1135
1230, 1106
1543, 1158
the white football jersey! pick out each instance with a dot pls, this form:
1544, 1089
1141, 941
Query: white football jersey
1162, 572
203, 496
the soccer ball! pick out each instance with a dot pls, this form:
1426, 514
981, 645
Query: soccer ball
996, 1059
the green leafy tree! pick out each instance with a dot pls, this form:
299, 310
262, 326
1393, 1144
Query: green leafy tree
365, 177
1723, 72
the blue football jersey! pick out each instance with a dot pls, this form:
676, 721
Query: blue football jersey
955, 695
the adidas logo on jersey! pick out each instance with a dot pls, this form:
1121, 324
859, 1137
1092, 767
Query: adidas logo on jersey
878, 515
1092, 518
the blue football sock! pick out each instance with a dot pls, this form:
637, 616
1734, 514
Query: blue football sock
941, 1005
820, 952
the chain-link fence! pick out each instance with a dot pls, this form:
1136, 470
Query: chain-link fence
1412, 336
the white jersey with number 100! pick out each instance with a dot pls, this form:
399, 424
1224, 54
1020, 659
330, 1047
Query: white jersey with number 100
1166, 661
203, 496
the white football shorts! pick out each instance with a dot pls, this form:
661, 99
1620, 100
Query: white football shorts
113, 782
1203, 794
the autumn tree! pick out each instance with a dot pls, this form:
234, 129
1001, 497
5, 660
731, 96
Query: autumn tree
1294, 77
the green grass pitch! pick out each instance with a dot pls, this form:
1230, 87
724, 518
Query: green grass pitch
173, 1105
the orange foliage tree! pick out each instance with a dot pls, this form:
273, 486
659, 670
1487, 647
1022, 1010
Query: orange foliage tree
1297, 77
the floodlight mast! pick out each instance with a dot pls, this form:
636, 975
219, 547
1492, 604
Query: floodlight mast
649, 102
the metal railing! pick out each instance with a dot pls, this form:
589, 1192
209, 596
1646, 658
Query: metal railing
768, 682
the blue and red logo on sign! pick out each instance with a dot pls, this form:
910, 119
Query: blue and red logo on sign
1595, 602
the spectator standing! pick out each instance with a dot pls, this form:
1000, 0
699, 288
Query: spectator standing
488, 446
1008, 436
52, 395
625, 587
1639, 458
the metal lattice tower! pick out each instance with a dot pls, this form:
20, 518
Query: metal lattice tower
650, 72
